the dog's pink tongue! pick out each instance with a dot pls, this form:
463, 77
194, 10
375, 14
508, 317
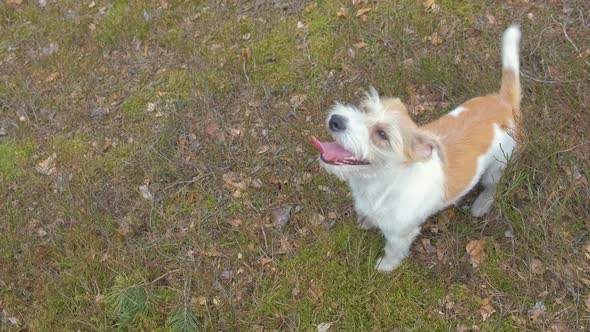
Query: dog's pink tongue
331, 151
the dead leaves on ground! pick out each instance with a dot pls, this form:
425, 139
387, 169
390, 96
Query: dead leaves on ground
486, 309
475, 249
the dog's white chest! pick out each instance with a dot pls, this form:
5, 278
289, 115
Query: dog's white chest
397, 200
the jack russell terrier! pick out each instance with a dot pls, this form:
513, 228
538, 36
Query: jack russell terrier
400, 174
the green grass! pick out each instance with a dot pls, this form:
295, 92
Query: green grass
97, 255
12, 157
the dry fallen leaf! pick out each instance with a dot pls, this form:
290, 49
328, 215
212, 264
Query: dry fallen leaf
587, 302
587, 250
475, 249
537, 266
362, 11
537, 312
212, 253
264, 261
311, 7
323, 327
235, 222
486, 309
431, 6
491, 18
428, 247
52, 76
145, 192
435, 39
212, 130
360, 45
47, 166
282, 215
343, 12
14, 2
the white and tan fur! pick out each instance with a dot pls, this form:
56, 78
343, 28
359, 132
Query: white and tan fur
412, 172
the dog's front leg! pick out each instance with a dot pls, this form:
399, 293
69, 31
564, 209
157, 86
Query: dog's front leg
397, 247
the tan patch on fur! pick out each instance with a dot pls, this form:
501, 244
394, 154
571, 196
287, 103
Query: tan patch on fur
467, 136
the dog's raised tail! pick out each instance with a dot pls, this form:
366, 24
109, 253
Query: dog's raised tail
510, 88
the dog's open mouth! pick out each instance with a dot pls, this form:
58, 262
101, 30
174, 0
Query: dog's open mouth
333, 153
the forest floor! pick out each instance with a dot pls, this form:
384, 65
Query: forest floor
148, 150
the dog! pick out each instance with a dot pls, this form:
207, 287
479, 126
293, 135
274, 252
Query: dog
400, 174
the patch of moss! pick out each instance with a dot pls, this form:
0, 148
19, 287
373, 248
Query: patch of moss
170, 38
465, 10
276, 57
210, 202
121, 23
323, 39
490, 267
234, 208
117, 158
179, 83
71, 149
12, 156
135, 104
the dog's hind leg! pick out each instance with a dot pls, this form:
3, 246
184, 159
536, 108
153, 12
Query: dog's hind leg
489, 180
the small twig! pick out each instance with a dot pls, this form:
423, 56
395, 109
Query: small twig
245, 70
164, 275
572, 148
544, 81
539, 41
569, 39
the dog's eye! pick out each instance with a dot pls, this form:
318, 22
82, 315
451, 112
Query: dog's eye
381, 134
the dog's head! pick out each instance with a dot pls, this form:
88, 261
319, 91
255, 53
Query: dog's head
376, 135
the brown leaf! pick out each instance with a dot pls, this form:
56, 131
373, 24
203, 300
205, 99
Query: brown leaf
246, 53
362, 11
47, 166
201, 300
587, 250
282, 215
491, 18
428, 247
486, 310
311, 7
559, 327
475, 249
360, 45
587, 303
264, 261
165, 4
235, 222
52, 76
181, 145
343, 12
435, 39
14, 2
324, 327
537, 312
212, 253
212, 130
431, 6
537, 266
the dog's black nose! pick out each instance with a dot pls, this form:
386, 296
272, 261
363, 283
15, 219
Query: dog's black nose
337, 123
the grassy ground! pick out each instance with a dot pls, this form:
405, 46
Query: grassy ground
179, 128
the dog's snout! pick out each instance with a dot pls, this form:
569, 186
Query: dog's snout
337, 123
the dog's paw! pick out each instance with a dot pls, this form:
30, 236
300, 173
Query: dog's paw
385, 264
482, 205
364, 223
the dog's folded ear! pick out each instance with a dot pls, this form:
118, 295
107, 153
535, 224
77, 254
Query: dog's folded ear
421, 146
